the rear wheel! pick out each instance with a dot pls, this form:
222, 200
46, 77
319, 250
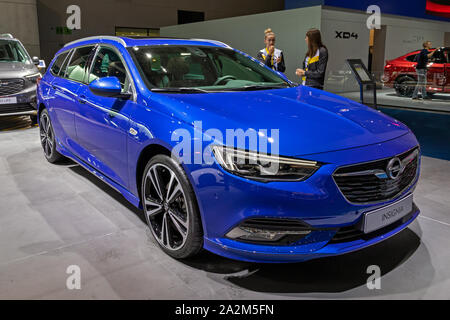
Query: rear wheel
48, 138
404, 86
170, 208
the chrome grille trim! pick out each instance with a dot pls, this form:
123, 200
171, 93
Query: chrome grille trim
369, 183
11, 86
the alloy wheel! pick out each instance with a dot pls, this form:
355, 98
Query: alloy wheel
165, 207
405, 88
47, 136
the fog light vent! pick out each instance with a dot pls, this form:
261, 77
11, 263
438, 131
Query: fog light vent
270, 231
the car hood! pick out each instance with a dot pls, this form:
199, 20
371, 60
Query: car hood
10, 70
309, 120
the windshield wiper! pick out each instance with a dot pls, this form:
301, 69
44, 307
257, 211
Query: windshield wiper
180, 90
262, 87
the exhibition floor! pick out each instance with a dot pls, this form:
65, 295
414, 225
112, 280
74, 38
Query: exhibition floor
430, 128
388, 97
54, 216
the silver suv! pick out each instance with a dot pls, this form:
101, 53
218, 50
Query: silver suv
19, 75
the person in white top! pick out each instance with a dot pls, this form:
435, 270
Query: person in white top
271, 56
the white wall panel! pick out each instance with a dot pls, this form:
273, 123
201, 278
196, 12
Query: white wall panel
246, 33
19, 17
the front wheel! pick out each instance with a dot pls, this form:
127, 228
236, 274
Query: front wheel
48, 138
170, 208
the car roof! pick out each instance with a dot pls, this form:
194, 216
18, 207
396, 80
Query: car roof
7, 36
418, 50
131, 42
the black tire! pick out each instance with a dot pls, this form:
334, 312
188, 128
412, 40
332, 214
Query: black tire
404, 86
192, 241
47, 137
33, 119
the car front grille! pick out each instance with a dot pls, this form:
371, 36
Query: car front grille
378, 180
15, 108
11, 86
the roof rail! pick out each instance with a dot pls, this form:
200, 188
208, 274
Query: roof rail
112, 38
153, 37
6, 35
213, 41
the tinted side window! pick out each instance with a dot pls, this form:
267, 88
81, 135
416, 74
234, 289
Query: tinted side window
56, 67
439, 56
411, 58
77, 67
107, 63
62, 72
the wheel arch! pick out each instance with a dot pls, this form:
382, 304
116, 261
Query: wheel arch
152, 150
41, 107
146, 154
402, 75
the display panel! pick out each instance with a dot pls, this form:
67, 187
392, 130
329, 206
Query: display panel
360, 71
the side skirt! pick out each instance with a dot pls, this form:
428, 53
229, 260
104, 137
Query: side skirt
124, 192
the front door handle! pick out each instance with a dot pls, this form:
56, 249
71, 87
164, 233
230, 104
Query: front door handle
82, 99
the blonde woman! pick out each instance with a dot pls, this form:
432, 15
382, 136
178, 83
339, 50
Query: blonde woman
271, 56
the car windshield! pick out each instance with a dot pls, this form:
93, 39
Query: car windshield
191, 69
12, 51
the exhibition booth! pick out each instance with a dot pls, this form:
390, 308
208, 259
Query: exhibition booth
346, 36
180, 150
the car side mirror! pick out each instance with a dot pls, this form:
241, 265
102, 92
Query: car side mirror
35, 60
109, 87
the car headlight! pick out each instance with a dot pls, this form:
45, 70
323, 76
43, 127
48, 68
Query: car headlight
34, 77
263, 167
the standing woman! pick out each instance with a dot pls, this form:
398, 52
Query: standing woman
315, 62
271, 56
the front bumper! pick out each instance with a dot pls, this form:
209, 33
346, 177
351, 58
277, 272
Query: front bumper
26, 103
258, 253
226, 200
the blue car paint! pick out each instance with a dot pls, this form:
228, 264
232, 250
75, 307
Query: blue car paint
313, 125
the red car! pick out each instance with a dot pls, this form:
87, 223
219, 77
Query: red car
400, 73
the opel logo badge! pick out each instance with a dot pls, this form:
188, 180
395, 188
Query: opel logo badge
394, 168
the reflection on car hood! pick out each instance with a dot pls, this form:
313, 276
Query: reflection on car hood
9, 70
309, 120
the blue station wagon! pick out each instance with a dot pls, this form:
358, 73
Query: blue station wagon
222, 153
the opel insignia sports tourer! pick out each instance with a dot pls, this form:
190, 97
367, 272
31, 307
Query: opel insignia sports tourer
222, 153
